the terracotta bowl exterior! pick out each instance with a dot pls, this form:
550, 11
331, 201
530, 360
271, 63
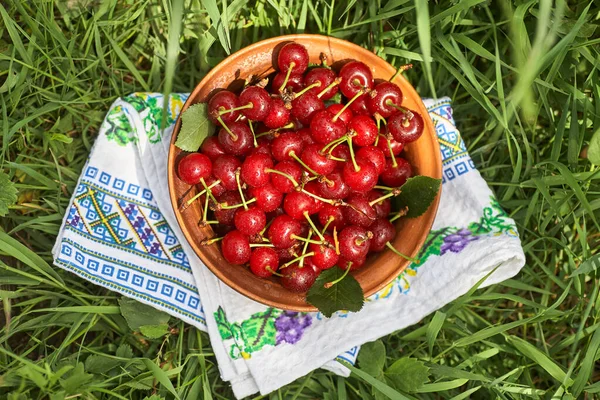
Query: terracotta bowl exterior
424, 155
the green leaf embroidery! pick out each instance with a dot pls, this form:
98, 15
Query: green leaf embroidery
417, 194
195, 127
138, 314
371, 358
8, 193
408, 374
259, 331
223, 324
434, 242
344, 295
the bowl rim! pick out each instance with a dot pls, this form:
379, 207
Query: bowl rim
244, 52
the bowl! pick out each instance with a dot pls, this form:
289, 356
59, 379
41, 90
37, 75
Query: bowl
258, 60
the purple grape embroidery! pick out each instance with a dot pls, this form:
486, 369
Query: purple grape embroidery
290, 326
456, 242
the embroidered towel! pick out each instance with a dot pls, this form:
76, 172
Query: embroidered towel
120, 232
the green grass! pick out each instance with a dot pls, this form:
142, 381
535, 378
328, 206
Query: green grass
524, 78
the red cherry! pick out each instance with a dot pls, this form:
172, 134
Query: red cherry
342, 151
311, 156
193, 167
240, 143
281, 182
362, 180
334, 186
325, 77
406, 127
260, 100
332, 211
325, 256
305, 106
285, 255
365, 129
221, 101
295, 204
225, 216
355, 76
359, 106
236, 248
345, 116
382, 207
212, 148
381, 96
356, 264
264, 147
268, 198
374, 155
358, 211
298, 279
397, 147
278, 116
224, 169
324, 129
354, 242
313, 187
396, 176
253, 169
295, 82
305, 135
383, 232
250, 221
284, 144
264, 261
281, 230
218, 189
293, 53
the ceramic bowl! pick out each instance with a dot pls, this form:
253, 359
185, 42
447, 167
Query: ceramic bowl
259, 59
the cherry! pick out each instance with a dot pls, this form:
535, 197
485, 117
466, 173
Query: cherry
225, 216
362, 180
359, 211
238, 141
253, 169
295, 82
353, 265
223, 101
334, 186
406, 126
324, 127
382, 207
268, 198
216, 189
397, 147
235, 247
359, 106
383, 98
298, 279
212, 148
281, 231
305, 106
354, 242
284, 144
315, 160
194, 167
278, 116
313, 187
375, 155
294, 56
355, 76
329, 211
285, 255
341, 151
383, 232
345, 116
264, 261
264, 147
324, 256
326, 77
365, 130
250, 221
396, 175
305, 135
259, 100
295, 204
224, 170
281, 182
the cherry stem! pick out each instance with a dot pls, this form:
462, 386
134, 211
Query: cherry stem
330, 157
253, 135
400, 70
190, 201
378, 132
230, 110
383, 187
330, 284
359, 241
299, 258
273, 272
356, 82
356, 167
305, 239
261, 245
237, 179
291, 178
304, 248
336, 241
332, 145
336, 82
328, 201
409, 113
400, 214
389, 246
287, 77
295, 157
233, 135
208, 242
205, 214
329, 221
306, 89
356, 96
312, 225
389, 143
228, 207
392, 193
291, 125
204, 223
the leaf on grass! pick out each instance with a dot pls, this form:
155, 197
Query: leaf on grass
344, 295
195, 127
8, 193
371, 358
138, 314
154, 397
417, 194
593, 152
99, 364
588, 266
154, 331
76, 379
408, 374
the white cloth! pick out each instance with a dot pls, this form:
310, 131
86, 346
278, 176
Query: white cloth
120, 232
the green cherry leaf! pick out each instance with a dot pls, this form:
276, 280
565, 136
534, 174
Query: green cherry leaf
417, 194
408, 374
344, 295
8, 193
195, 127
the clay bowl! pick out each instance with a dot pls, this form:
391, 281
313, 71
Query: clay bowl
258, 60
